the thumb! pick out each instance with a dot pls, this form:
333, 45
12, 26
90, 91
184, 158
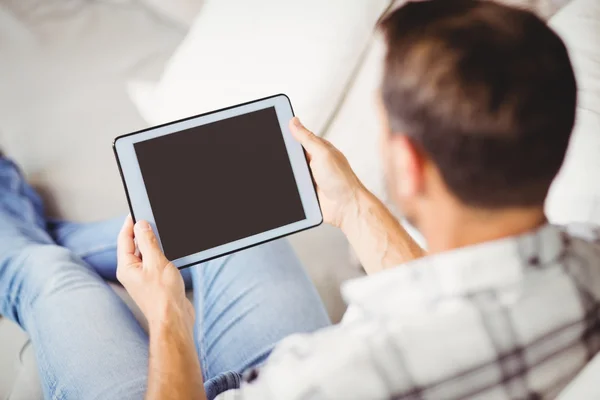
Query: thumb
306, 138
148, 243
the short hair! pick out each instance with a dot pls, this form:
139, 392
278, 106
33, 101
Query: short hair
486, 91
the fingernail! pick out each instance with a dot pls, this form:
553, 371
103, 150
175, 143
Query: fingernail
296, 122
143, 226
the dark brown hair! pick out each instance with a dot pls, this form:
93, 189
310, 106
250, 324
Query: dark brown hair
486, 91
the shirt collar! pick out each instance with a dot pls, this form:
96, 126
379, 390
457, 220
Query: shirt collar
494, 265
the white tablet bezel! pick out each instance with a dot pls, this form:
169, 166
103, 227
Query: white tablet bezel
139, 203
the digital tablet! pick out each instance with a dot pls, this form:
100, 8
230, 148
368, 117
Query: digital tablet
219, 182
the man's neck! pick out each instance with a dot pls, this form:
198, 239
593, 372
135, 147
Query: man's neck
464, 227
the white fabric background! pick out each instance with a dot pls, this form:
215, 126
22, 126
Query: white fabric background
63, 99
575, 195
239, 50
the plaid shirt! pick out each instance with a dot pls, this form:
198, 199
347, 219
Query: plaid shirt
516, 318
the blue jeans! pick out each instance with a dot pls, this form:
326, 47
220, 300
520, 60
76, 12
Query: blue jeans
87, 342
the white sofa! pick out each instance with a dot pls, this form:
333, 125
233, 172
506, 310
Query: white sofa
60, 124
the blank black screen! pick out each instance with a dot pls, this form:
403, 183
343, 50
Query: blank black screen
219, 182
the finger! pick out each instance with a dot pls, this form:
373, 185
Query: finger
148, 244
125, 244
306, 138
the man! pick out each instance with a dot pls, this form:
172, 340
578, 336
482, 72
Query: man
478, 103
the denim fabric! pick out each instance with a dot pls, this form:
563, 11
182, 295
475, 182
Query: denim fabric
88, 344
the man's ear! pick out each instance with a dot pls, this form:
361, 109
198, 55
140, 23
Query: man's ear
408, 163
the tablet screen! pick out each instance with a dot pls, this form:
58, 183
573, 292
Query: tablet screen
219, 182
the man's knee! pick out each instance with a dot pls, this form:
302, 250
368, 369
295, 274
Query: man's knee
44, 270
34, 273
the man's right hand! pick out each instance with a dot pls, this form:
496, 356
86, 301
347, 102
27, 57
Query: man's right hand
338, 187
375, 234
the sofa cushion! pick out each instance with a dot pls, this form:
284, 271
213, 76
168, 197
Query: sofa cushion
239, 50
575, 194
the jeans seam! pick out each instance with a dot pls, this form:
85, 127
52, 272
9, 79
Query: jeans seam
204, 359
51, 380
201, 344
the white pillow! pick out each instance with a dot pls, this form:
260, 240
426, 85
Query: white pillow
240, 50
575, 194
543, 8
